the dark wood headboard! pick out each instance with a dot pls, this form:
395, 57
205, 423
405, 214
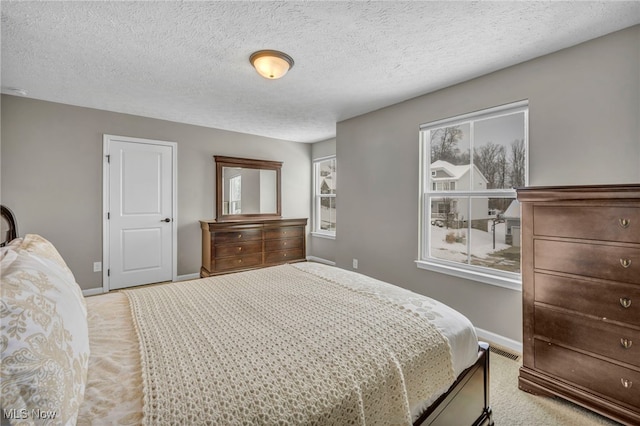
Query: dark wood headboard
12, 227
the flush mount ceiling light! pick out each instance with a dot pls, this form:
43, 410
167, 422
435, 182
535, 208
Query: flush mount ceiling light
271, 64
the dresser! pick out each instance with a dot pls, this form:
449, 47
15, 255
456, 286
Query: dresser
581, 296
230, 246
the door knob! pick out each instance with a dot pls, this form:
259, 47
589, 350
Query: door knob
166, 219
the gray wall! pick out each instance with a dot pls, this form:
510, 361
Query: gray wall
323, 247
584, 105
51, 175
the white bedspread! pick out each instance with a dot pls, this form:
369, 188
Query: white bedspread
114, 393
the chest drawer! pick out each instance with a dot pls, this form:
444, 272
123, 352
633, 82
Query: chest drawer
593, 223
238, 262
284, 232
283, 244
237, 236
283, 256
614, 301
596, 336
609, 380
591, 260
239, 249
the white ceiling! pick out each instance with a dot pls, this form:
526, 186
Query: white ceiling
189, 61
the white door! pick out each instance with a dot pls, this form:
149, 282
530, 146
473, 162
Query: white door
140, 210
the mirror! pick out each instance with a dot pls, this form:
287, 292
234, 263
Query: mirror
247, 189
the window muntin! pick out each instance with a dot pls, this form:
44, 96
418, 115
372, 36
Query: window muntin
325, 182
470, 218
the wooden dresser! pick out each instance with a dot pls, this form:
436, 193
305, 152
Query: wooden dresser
231, 246
581, 296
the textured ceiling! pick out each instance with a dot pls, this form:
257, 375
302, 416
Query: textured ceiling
189, 61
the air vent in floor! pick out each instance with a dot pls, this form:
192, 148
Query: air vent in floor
504, 352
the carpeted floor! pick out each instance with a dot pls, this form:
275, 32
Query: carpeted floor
511, 406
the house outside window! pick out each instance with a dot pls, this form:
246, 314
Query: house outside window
324, 184
470, 218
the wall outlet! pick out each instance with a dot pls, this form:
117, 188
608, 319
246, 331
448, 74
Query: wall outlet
97, 266
355, 263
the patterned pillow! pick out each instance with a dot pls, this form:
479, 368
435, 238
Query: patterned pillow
45, 342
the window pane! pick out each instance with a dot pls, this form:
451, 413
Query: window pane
449, 228
498, 151
328, 213
327, 176
495, 233
450, 158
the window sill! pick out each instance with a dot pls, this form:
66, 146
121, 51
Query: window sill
486, 278
321, 235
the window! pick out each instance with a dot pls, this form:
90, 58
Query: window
470, 218
324, 210
235, 195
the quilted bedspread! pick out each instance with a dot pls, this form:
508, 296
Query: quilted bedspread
283, 346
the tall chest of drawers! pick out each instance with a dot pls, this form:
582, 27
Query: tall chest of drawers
581, 296
231, 246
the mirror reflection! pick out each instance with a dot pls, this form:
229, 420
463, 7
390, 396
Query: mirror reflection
249, 191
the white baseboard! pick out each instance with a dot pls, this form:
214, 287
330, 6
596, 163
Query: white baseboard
499, 340
92, 292
99, 290
188, 277
321, 260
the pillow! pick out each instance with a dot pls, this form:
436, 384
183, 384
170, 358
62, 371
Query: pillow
45, 342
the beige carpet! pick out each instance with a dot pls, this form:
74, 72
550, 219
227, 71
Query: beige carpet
511, 406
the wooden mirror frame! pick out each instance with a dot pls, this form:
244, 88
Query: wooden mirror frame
222, 162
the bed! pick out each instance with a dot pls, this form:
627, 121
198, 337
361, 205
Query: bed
290, 344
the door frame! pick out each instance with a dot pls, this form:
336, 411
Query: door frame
106, 144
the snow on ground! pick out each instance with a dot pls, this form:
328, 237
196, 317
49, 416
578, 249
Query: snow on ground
481, 243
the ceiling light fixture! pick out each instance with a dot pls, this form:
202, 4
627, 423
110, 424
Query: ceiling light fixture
271, 64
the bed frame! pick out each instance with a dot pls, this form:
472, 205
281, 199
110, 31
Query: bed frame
467, 400
465, 403
12, 232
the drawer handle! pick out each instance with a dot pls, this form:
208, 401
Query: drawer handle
285, 255
239, 235
625, 302
239, 249
624, 223
626, 383
625, 263
284, 244
239, 260
626, 343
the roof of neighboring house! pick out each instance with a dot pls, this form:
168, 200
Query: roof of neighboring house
452, 170
329, 182
513, 210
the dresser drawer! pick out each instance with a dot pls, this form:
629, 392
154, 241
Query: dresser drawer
596, 376
590, 260
249, 247
283, 244
284, 232
283, 256
236, 236
614, 301
593, 222
238, 262
591, 335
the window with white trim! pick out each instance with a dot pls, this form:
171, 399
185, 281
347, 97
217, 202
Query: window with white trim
469, 215
324, 184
